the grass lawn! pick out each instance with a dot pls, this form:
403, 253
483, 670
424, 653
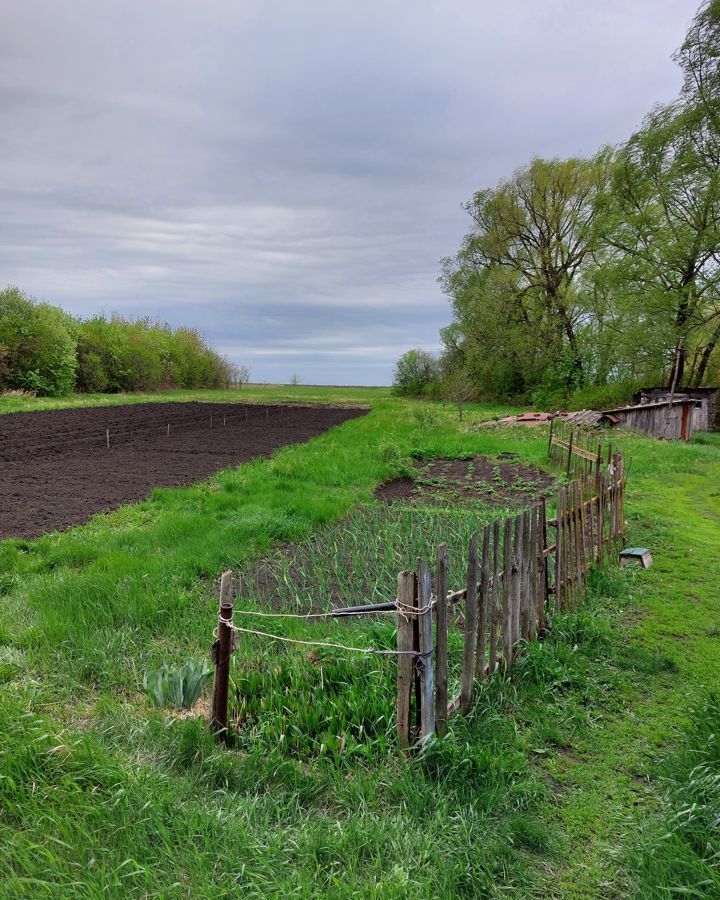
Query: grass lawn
592, 772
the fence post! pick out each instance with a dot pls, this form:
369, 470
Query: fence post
544, 563
470, 635
484, 609
424, 664
441, 689
222, 650
406, 600
550, 439
495, 612
507, 621
570, 450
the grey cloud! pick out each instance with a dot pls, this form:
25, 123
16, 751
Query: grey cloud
286, 176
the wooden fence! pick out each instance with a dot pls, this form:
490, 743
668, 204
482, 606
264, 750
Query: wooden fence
516, 579
579, 451
518, 575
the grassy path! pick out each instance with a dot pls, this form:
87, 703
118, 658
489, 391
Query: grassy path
607, 784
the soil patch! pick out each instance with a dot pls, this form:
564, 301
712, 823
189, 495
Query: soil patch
56, 469
493, 482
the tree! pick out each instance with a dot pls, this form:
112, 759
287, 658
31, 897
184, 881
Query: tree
664, 226
515, 284
459, 389
415, 372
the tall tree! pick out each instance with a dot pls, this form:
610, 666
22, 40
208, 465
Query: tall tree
664, 225
514, 283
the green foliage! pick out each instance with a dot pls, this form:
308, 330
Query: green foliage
415, 373
47, 352
37, 346
677, 852
178, 686
582, 273
540, 792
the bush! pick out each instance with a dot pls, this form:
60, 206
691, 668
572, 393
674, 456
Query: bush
415, 372
37, 346
45, 351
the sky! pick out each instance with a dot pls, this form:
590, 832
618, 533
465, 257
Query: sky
285, 176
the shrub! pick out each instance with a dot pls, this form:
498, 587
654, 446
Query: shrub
415, 371
38, 343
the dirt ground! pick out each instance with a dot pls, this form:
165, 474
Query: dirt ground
56, 469
493, 482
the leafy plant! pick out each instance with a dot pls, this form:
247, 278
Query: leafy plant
179, 687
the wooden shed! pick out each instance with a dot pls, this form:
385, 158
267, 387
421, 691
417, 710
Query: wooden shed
706, 409
672, 422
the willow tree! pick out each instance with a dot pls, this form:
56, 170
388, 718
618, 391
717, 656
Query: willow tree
514, 284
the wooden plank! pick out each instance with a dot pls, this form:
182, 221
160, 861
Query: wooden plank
441, 666
470, 632
406, 600
545, 579
531, 576
559, 571
583, 539
577, 548
483, 604
524, 578
495, 597
550, 439
424, 663
569, 459
575, 450
516, 578
506, 623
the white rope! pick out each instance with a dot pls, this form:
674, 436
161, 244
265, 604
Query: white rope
277, 637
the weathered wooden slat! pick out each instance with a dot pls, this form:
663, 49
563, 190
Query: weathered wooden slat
507, 624
544, 568
495, 597
470, 634
424, 663
483, 604
525, 567
559, 553
441, 659
405, 676
516, 578
576, 451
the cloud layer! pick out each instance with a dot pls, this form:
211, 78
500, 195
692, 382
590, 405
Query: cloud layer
285, 176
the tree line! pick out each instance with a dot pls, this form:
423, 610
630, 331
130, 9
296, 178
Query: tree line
46, 351
581, 278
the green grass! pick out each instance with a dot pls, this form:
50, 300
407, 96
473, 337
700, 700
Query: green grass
563, 782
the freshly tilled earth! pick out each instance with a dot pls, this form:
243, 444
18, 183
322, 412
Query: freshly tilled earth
56, 469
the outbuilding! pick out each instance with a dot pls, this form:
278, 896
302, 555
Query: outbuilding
673, 421
706, 406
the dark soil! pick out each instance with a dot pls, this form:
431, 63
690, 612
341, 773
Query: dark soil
56, 469
492, 482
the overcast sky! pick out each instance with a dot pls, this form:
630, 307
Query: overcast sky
285, 176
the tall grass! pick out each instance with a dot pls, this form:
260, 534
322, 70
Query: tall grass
678, 853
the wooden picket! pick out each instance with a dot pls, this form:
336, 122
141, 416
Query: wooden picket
520, 571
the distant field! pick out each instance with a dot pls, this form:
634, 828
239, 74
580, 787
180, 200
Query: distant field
568, 780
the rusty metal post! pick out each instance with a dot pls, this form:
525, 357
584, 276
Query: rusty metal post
222, 650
